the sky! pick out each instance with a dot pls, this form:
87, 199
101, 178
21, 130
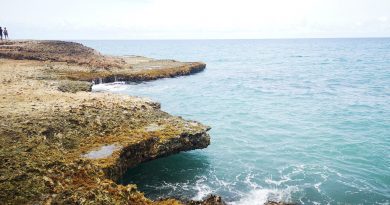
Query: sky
194, 19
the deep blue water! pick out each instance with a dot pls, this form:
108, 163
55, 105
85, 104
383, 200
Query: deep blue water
304, 121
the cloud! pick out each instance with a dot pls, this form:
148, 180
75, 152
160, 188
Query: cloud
383, 19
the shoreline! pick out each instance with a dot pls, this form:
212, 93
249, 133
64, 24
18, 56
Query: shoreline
62, 143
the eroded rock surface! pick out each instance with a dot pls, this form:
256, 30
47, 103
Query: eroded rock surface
61, 144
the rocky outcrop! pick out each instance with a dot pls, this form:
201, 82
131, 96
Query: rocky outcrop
153, 148
74, 86
69, 60
142, 75
210, 200
61, 144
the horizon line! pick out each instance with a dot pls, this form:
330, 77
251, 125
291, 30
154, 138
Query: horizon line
200, 39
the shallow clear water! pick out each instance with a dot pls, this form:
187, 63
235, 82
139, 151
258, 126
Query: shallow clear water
305, 121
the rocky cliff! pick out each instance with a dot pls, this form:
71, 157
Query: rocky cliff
61, 144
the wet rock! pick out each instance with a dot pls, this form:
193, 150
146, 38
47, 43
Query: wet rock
211, 200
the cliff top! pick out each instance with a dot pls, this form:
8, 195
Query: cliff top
59, 51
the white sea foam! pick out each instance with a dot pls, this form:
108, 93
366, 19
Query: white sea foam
202, 190
261, 196
112, 87
249, 180
271, 181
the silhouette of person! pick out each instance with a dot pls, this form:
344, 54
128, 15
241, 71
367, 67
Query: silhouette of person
1, 33
5, 33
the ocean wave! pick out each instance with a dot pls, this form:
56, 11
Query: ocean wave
109, 87
202, 190
261, 196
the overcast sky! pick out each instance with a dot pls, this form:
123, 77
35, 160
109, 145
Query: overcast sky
194, 19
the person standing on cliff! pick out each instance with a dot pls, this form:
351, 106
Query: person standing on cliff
5, 33
1, 33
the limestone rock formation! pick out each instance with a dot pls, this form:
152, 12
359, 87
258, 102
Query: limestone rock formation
62, 144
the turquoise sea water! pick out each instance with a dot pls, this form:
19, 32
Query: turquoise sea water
304, 121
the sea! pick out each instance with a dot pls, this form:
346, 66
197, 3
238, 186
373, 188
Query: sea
305, 121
